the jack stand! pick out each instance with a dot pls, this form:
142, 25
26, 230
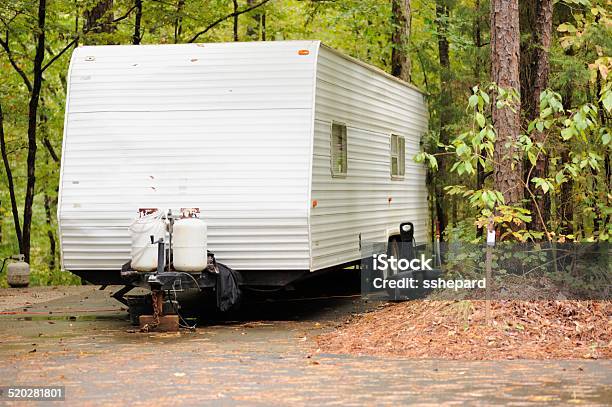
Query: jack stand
158, 321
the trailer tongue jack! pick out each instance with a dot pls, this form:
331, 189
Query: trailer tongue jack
159, 321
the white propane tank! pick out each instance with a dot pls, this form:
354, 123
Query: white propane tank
189, 245
143, 253
18, 273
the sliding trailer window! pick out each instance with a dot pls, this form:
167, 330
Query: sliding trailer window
339, 161
398, 157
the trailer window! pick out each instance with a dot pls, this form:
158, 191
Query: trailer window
398, 156
338, 150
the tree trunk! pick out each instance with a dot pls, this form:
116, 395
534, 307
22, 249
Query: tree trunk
32, 121
47, 201
9, 180
137, 37
400, 59
236, 39
50, 235
477, 72
254, 24
263, 24
536, 26
445, 115
99, 19
505, 48
178, 21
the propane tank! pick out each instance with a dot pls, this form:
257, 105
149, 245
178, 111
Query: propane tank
143, 252
189, 244
18, 273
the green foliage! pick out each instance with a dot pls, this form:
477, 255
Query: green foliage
580, 133
574, 113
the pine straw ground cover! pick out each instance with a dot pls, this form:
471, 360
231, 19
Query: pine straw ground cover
568, 329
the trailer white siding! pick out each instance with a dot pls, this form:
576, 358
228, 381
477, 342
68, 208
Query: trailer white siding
365, 203
241, 131
222, 127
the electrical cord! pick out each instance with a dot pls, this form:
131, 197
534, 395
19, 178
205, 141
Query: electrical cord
185, 323
192, 277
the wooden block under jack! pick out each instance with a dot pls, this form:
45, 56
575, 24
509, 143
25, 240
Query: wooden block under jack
167, 323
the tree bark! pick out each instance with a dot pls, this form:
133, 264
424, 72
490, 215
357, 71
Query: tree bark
9, 180
400, 59
477, 72
32, 121
178, 21
236, 39
99, 19
137, 37
445, 115
263, 24
536, 26
50, 234
505, 49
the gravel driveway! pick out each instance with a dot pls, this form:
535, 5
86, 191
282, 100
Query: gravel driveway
83, 341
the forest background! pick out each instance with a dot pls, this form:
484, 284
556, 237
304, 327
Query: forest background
519, 94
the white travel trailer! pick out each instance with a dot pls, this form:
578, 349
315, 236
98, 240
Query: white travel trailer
294, 153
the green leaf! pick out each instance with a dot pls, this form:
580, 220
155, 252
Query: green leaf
472, 101
560, 177
462, 149
605, 139
566, 27
485, 97
530, 127
468, 167
568, 133
480, 119
607, 100
532, 157
500, 197
433, 162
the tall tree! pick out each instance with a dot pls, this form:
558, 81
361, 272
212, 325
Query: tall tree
137, 37
9, 181
505, 49
236, 38
536, 27
444, 112
178, 21
32, 127
477, 69
400, 59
